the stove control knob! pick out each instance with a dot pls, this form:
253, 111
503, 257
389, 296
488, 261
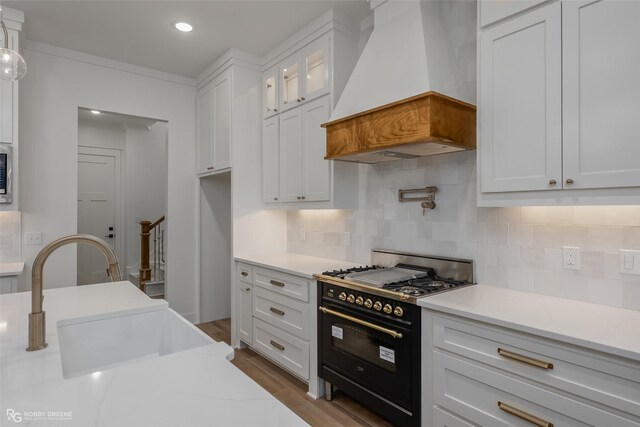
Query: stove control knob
388, 309
342, 296
351, 298
368, 303
377, 306
398, 311
359, 300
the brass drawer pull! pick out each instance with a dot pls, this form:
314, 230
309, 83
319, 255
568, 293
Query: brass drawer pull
276, 311
281, 347
391, 332
525, 359
276, 283
524, 415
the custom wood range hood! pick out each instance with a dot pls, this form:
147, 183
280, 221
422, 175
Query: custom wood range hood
423, 125
412, 89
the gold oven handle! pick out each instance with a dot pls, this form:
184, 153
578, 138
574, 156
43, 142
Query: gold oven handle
525, 359
524, 415
391, 332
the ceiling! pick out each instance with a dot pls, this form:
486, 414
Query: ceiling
141, 32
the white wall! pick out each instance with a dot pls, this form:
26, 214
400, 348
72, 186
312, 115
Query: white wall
59, 81
145, 180
517, 248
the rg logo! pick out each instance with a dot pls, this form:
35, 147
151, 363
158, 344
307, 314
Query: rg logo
14, 416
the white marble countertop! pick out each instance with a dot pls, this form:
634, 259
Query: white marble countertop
598, 327
297, 264
11, 268
194, 387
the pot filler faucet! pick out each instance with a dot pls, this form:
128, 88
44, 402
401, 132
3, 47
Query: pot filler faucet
36, 317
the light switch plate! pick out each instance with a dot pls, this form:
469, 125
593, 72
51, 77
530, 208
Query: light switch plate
34, 238
630, 262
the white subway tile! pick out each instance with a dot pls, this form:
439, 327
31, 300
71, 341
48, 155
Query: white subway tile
521, 235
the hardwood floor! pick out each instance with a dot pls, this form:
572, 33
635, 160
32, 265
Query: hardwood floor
341, 411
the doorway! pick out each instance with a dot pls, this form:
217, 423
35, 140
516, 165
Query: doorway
122, 182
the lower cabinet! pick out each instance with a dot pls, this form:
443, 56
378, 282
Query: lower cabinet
274, 314
244, 299
490, 376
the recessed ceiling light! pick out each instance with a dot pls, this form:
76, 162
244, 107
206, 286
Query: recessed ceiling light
185, 27
95, 112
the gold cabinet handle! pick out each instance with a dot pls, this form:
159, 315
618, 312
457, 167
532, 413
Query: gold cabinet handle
391, 332
280, 346
524, 415
276, 311
276, 283
525, 359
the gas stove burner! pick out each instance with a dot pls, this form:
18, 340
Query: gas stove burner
411, 291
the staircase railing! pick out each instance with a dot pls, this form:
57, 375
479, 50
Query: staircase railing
158, 250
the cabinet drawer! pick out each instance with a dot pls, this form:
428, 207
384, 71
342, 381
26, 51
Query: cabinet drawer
290, 352
291, 286
283, 312
244, 273
442, 418
610, 382
495, 10
473, 392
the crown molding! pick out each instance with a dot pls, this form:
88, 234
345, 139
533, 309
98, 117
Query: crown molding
86, 58
231, 57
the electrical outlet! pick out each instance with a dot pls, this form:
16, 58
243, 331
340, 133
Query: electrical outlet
34, 238
630, 262
571, 258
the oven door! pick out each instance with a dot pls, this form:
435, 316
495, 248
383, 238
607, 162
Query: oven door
369, 350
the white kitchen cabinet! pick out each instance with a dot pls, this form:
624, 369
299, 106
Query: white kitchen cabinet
304, 173
316, 178
283, 316
205, 130
305, 74
558, 101
270, 160
291, 155
474, 369
270, 92
244, 299
215, 105
520, 107
601, 93
492, 11
244, 302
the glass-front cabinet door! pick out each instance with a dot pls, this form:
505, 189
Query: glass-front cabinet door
290, 81
315, 59
270, 92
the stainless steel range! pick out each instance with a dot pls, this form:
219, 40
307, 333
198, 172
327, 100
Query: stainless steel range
369, 328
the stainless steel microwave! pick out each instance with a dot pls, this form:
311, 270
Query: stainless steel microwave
6, 166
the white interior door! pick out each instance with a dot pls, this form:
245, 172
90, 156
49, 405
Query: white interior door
98, 197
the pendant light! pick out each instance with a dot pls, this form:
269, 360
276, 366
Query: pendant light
12, 65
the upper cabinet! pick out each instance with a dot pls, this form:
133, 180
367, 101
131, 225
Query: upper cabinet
270, 92
214, 125
304, 75
295, 171
559, 102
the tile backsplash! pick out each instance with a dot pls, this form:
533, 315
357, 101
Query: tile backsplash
519, 248
10, 237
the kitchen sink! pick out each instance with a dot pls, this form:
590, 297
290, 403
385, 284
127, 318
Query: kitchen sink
89, 345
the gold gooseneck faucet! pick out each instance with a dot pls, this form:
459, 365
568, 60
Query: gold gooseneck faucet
36, 317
